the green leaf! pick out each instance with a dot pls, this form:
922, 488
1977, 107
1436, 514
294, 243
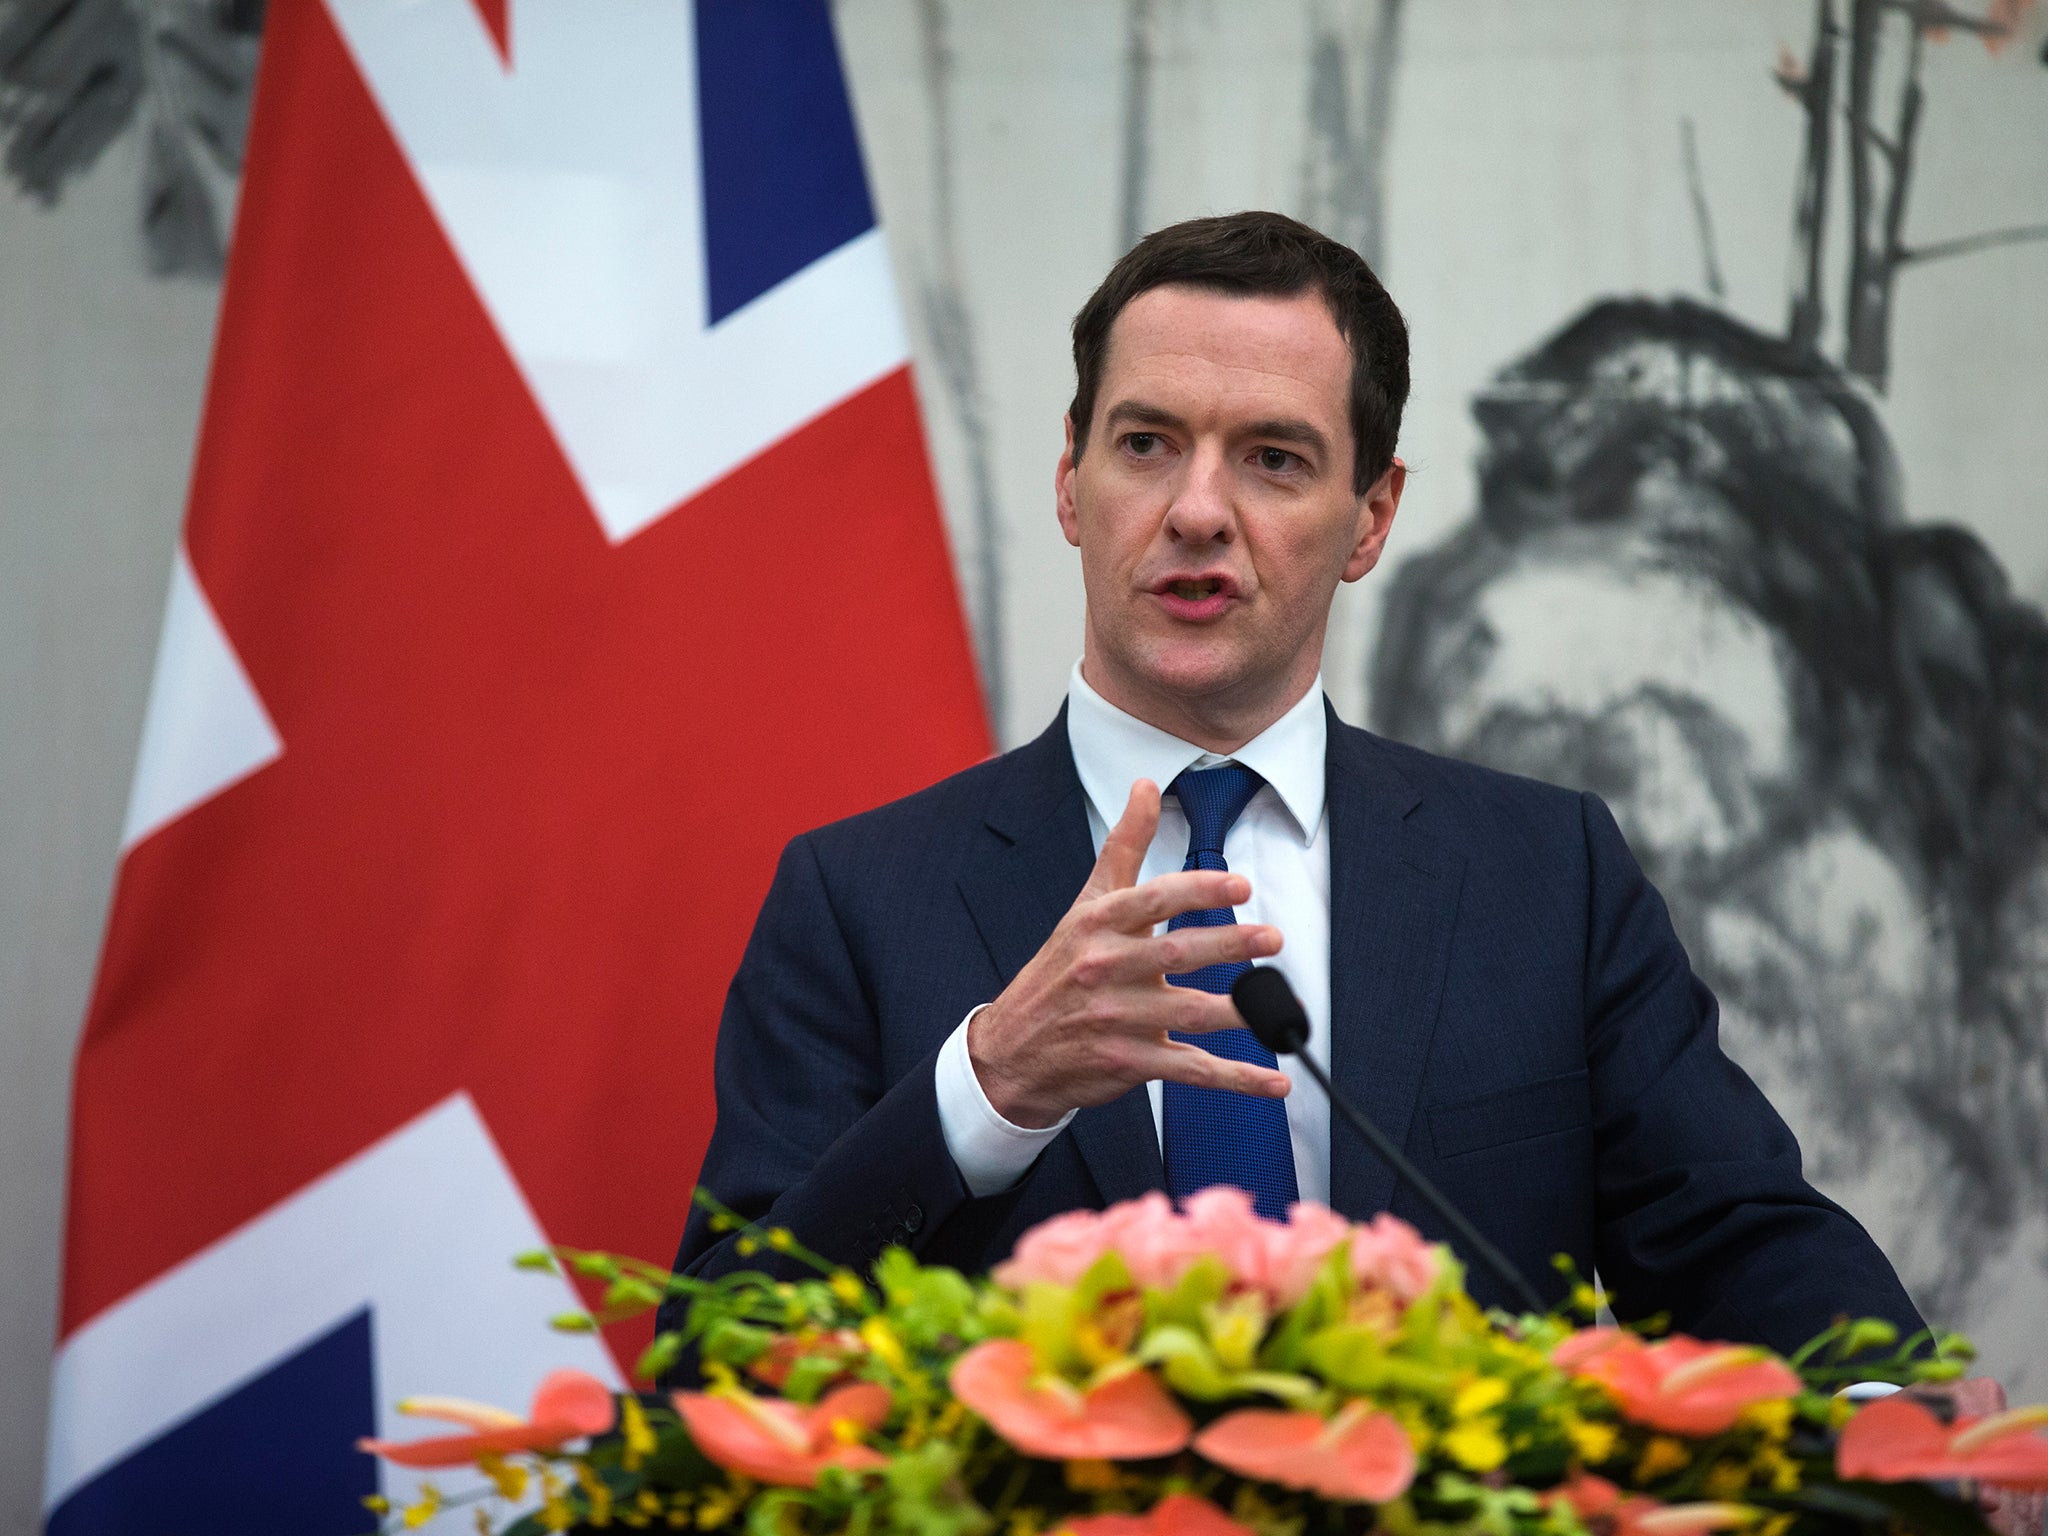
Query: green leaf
536, 1259
631, 1291
810, 1376
1190, 1365
1869, 1333
1203, 1285
657, 1357
731, 1342
573, 1322
928, 1497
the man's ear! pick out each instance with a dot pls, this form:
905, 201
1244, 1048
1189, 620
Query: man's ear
1376, 509
1063, 489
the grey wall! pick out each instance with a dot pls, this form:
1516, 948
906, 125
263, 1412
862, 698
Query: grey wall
101, 368
1531, 164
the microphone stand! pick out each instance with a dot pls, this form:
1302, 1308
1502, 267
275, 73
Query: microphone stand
1274, 1014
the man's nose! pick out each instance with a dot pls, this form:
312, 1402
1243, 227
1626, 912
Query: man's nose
1202, 511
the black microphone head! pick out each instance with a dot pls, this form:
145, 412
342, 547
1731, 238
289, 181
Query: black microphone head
1270, 1010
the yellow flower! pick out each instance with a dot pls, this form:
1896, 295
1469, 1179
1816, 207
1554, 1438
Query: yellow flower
1663, 1454
1476, 1445
597, 1492
423, 1509
1774, 1467
717, 1508
1024, 1522
847, 1287
509, 1477
1772, 1418
781, 1239
881, 1339
1475, 1397
640, 1439
1592, 1441
1725, 1480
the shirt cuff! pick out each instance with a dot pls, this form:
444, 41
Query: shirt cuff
990, 1152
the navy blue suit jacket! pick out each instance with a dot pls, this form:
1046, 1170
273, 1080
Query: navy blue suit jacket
1508, 1001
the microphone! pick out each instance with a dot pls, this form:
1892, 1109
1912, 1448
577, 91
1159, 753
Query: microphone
1273, 1013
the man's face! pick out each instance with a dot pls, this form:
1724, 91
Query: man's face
1214, 508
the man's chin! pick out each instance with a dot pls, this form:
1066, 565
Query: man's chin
1203, 679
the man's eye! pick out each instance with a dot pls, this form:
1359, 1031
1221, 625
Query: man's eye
1277, 460
1142, 442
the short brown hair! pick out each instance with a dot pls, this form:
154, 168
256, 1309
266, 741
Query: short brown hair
1265, 254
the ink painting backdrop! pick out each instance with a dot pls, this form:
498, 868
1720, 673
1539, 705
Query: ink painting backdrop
1729, 433
1730, 329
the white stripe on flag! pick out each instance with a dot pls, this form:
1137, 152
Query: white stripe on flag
578, 215
421, 1228
206, 728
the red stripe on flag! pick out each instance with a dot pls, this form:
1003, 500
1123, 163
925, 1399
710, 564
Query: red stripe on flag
533, 785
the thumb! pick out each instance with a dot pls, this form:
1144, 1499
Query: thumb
1123, 850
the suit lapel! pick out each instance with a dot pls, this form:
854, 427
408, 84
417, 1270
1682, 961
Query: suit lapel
1393, 902
1017, 889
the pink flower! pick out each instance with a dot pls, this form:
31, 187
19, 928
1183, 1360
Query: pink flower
1178, 1514
1389, 1255
1278, 1259
1679, 1384
1128, 1418
773, 1441
1358, 1455
1606, 1511
569, 1404
1055, 1252
1157, 1243
1896, 1439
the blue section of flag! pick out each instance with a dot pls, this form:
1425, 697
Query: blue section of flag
276, 1454
783, 183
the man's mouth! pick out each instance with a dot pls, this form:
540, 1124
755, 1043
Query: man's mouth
1199, 599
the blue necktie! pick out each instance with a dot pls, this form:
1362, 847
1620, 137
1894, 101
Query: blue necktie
1213, 1136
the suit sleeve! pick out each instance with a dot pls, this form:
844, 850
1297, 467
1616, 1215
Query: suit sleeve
809, 1135
1703, 1210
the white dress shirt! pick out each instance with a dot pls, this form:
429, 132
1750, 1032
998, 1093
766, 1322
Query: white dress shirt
1280, 843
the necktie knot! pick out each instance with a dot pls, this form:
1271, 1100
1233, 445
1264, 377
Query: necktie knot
1212, 799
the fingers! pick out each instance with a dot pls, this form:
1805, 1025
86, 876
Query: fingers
1190, 1064
1123, 850
1184, 1010
1189, 949
1139, 909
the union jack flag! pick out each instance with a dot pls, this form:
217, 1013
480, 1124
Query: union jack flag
561, 540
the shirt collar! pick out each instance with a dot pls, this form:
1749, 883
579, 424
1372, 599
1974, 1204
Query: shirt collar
1112, 750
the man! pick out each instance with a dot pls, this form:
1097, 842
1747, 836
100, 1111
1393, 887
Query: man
956, 1016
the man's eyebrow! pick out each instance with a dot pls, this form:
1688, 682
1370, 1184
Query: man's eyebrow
1139, 413
1289, 429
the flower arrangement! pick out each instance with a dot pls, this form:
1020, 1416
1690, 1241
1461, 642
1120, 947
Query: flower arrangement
1199, 1371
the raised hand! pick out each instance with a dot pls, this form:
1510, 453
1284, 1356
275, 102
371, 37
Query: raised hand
1087, 1017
